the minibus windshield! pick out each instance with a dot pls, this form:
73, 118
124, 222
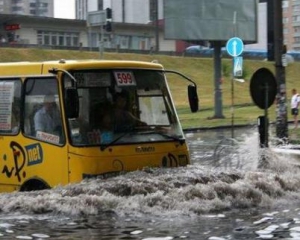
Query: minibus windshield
122, 106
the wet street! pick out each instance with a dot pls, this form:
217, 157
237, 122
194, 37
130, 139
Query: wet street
223, 194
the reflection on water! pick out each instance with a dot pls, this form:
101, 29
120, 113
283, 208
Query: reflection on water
221, 195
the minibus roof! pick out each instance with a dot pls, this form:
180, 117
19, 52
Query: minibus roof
28, 68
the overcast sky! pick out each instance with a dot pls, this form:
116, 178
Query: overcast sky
64, 9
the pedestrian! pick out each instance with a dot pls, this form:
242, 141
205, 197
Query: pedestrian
295, 106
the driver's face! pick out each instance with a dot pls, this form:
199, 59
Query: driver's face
121, 102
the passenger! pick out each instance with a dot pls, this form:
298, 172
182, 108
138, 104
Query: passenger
106, 129
123, 119
47, 119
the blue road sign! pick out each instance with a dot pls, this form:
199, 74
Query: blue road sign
238, 66
235, 46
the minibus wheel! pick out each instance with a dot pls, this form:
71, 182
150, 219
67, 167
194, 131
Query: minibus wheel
34, 185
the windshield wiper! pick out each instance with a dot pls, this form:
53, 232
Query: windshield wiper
104, 146
176, 138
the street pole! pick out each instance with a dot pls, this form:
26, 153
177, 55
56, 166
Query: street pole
156, 27
232, 79
232, 106
101, 45
217, 77
281, 99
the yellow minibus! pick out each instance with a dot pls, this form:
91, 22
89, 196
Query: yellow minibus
64, 121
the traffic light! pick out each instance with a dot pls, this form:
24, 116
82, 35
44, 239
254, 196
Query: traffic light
107, 26
108, 13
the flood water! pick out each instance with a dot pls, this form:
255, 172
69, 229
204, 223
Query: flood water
224, 194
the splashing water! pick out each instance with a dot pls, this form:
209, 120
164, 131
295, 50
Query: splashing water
228, 179
191, 190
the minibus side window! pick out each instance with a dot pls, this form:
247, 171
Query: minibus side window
10, 100
42, 110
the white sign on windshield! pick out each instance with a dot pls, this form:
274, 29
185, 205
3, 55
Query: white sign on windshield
124, 78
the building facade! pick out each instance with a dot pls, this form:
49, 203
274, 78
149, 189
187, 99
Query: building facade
136, 25
42, 8
132, 15
290, 21
125, 11
292, 25
66, 33
42, 31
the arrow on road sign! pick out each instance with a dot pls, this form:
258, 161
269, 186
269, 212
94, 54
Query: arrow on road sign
235, 46
234, 43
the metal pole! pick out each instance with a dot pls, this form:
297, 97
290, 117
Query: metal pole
101, 47
217, 76
156, 27
90, 39
281, 118
232, 105
266, 143
232, 81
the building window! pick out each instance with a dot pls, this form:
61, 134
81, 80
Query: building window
296, 8
100, 5
61, 39
16, 9
297, 40
152, 9
75, 39
46, 40
297, 29
10, 95
70, 39
296, 18
42, 113
53, 39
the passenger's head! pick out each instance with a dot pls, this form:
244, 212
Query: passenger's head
106, 122
294, 91
49, 101
120, 100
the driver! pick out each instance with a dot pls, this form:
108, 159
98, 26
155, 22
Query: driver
123, 119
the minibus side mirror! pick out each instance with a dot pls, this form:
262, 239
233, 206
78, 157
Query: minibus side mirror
71, 103
192, 91
193, 98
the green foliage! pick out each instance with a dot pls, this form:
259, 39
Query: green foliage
226, 69
246, 73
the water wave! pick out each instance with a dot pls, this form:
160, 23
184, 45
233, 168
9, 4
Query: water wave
190, 190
